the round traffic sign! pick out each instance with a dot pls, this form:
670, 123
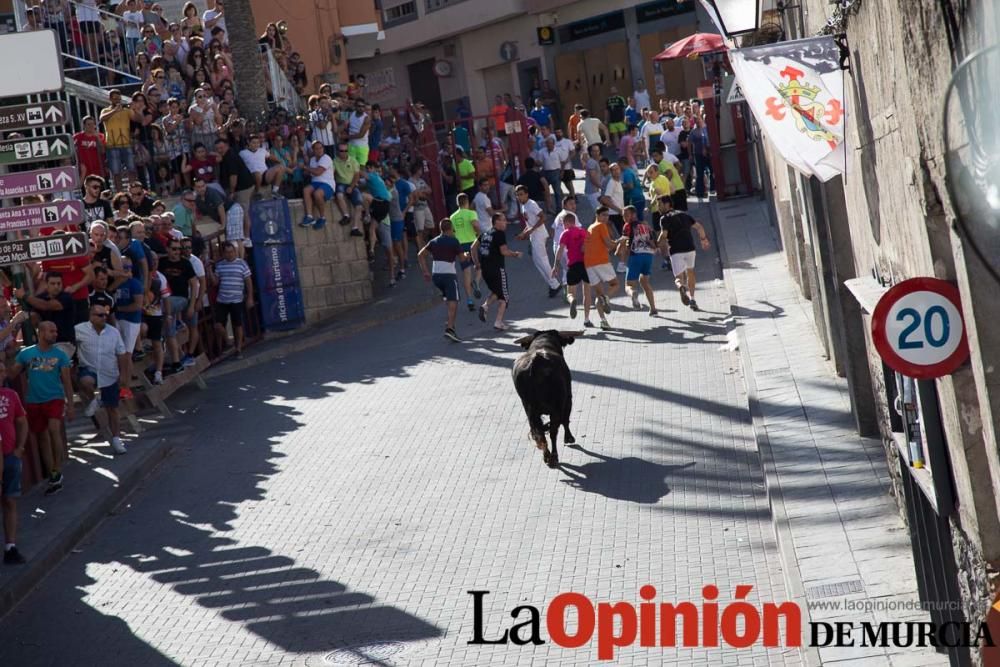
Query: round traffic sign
918, 329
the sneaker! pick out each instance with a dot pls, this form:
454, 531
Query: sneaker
622, 268
553, 291
275, 191
400, 275
176, 368
684, 294
471, 305
665, 265
588, 324
653, 312
158, 377
345, 220
92, 407
125, 394
500, 326
482, 313
13, 557
139, 355
635, 300
188, 361
694, 306
55, 484
357, 232
118, 446
572, 309
604, 324
307, 221
452, 336
476, 292
392, 283
320, 223
605, 303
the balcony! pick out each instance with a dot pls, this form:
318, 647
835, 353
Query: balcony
444, 19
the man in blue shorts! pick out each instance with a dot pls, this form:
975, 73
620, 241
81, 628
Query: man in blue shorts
13, 435
637, 240
104, 363
444, 250
397, 223
320, 190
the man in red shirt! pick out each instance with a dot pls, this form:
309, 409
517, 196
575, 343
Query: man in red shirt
73, 270
90, 149
13, 435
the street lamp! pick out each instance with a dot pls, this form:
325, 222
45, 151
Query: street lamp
737, 17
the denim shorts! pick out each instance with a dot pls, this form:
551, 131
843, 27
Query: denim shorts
109, 394
354, 197
178, 305
121, 159
11, 486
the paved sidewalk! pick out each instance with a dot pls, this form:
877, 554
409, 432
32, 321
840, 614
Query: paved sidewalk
838, 528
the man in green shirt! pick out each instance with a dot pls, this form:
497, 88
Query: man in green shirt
184, 213
465, 222
346, 172
466, 172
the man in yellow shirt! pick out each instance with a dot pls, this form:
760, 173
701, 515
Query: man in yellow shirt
466, 172
669, 168
117, 119
660, 188
465, 222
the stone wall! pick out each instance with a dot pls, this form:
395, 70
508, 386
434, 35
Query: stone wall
333, 267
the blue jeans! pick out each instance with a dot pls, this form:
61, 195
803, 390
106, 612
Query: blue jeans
702, 163
554, 177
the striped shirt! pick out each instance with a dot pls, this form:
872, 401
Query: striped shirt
231, 276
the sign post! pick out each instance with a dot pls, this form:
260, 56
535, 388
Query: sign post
39, 182
35, 149
47, 247
29, 116
918, 330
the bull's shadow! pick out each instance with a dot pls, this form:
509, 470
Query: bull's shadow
631, 479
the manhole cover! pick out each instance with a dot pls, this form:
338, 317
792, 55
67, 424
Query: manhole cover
365, 654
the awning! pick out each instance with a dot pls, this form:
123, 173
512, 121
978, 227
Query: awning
362, 40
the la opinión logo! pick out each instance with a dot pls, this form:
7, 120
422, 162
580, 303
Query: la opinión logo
736, 623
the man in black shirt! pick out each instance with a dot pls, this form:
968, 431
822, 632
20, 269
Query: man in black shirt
99, 295
94, 207
184, 295
235, 178
615, 115
56, 306
538, 187
488, 253
210, 203
139, 201
675, 233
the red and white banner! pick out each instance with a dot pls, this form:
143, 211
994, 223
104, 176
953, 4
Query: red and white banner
795, 91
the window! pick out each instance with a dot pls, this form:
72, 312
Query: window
434, 5
398, 14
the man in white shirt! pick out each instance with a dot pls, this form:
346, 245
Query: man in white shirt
613, 198
535, 230
483, 206
212, 18
558, 227
324, 125
567, 149
641, 95
551, 158
671, 138
357, 128
103, 361
320, 190
591, 130
255, 157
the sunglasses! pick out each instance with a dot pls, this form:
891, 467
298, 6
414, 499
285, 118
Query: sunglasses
101, 315
189, 200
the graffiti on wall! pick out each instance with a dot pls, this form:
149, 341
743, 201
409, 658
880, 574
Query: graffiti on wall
380, 85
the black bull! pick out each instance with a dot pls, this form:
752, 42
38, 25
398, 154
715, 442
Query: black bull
543, 382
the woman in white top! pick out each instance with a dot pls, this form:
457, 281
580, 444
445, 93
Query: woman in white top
202, 115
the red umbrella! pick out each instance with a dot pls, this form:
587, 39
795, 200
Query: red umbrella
693, 46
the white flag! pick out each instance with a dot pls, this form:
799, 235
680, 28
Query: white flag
795, 91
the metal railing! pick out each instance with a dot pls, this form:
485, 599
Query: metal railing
283, 93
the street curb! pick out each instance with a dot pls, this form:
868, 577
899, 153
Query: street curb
46, 557
309, 339
775, 497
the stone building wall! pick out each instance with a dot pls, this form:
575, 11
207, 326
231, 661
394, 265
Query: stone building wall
333, 267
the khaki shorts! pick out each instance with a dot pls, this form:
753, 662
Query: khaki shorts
423, 218
601, 273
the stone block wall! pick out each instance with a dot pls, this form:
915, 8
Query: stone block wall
333, 267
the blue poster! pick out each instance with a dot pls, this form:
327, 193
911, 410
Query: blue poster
276, 272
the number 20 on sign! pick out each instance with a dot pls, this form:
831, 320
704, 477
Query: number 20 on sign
918, 329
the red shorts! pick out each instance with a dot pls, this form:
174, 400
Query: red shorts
39, 414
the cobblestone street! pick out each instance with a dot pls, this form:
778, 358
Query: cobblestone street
336, 506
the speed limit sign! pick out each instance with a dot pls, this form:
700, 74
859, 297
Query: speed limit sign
918, 329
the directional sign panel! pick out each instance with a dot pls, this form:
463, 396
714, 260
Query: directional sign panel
46, 247
34, 63
39, 182
27, 116
49, 214
35, 149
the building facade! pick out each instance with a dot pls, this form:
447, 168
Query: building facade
440, 52
891, 218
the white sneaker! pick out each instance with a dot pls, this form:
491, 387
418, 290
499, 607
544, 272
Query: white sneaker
118, 446
635, 300
92, 407
622, 268
158, 377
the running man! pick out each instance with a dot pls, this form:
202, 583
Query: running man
675, 232
489, 252
444, 249
596, 259
638, 243
538, 233
465, 222
571, 243
558, 226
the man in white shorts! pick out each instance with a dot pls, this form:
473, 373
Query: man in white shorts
558, 227
596, 257
675, 232
423, 218
534, 229
255, 157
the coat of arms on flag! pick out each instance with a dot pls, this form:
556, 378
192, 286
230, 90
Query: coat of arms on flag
795, 91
